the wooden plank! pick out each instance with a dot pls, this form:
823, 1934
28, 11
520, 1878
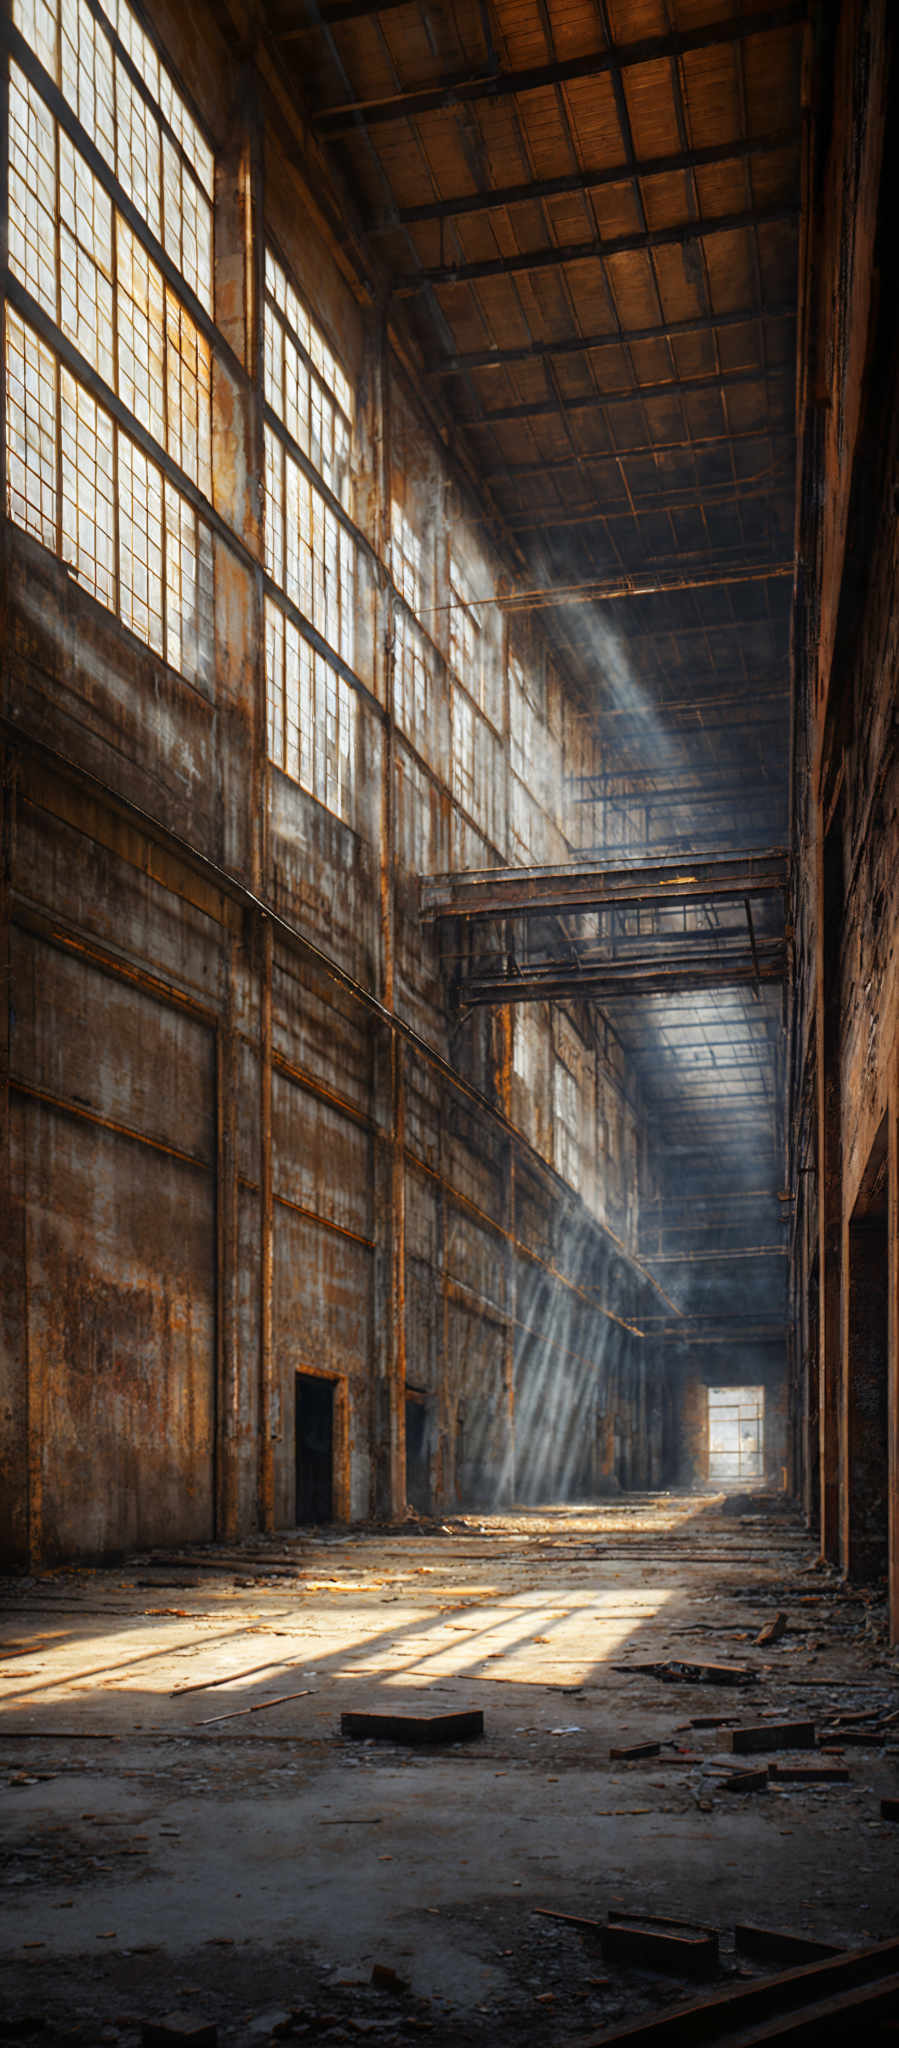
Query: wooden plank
781, 1944
728, 2015
656, 1944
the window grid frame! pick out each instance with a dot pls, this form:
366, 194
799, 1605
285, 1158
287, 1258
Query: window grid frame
324, 691
174, 313
311, 570
120, 50
201, 668
68, 122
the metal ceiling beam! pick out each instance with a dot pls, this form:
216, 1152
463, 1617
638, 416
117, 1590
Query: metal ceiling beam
464, 88
644, 583
465, 204
588, 789
586, 512
736, 1330
508, 892
588, 344
723, 1256
407, 284
697, 795
562, 984
650, 713
586, 457
624, 394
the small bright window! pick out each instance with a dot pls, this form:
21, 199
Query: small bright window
736, 1434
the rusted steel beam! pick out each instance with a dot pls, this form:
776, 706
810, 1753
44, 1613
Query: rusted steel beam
723, 1256
613, 982
588, 789
591, 181
733, 1330
464, 88
507, 892
649, 713
627, 394
588, 344
693, 498
554, 256
648, 583
515, 472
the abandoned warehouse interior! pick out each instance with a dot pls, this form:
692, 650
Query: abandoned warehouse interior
449, 881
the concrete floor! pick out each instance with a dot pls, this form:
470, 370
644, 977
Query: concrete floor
242, 1869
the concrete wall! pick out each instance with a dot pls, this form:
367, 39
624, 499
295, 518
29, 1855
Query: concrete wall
243, 1136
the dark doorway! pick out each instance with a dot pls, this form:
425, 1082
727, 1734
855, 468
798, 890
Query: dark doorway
315, 1448
418, 1460
866, 1492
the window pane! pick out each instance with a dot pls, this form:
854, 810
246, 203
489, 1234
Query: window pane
138, 166
30, 431
85, 260
140, 543
36, 21
189, 600
88, 497
189, 392
88, 76
32, 191
140, 322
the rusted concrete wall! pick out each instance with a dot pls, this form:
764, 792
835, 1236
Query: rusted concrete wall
845, 1037
226, 1156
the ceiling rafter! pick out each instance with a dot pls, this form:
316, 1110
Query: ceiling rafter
589, 344
465, 88
497, 197
598, 248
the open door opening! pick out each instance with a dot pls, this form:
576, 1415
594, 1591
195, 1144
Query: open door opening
736, 1435
865, 1544
418, 1457
314, 1448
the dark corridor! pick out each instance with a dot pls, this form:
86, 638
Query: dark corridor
314, 1448
418, 1472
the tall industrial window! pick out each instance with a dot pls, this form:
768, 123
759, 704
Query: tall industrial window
310, 554
93, 493
304, 383
736, 1433
466, 640
525, 824
311, 714
566, 1124
525, 1044
411, 654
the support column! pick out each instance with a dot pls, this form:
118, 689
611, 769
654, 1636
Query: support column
227, 1405
830, 1173
893, 1345
18, 1536
265, 1469
511, 1331
388, 1433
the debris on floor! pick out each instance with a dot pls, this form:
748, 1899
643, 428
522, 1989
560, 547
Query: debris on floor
255, 1869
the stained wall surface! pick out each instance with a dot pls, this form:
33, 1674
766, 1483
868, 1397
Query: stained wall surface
245, 1134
